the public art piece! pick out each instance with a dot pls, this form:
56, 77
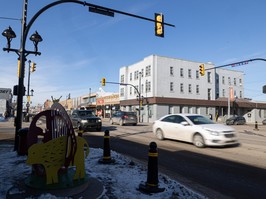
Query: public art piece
56, 154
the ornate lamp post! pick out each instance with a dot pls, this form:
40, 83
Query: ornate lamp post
22, 53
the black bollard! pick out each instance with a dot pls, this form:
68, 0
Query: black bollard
256, 126
151, 186
106, 159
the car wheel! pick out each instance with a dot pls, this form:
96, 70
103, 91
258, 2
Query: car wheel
159, 134
121, 123
198, 141
111, 121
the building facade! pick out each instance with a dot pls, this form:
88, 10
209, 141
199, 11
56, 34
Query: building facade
159, 85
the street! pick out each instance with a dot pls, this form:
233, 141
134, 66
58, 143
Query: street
215, 172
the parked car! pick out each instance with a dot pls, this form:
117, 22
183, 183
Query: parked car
124, 117
194, 128
264, 122
85, 120
236, 120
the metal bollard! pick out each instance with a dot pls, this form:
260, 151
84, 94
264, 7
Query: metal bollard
106, 159
151, 186
256, 126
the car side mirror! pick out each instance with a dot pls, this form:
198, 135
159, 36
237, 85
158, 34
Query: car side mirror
184, 123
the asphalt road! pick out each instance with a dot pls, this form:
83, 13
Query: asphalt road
216, 172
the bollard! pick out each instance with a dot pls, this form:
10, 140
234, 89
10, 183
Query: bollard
151, 186
256, 126
106, 159
80, 132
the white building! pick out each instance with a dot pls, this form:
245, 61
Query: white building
169, 85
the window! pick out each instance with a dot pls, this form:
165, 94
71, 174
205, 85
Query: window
130, 76
122, 92
181, 72
171, 70
171, 86
197, 89
182, 88
223, 80
148, 71
209, 93
240, 82
135, 92
130, 90
223, 93
197, 74
189, 73
189, 88
209, 77
240, 94
122, 79
148, 86
229, 81
142, 72
136, 75
235, 81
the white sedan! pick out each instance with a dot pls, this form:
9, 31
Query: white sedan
194, 128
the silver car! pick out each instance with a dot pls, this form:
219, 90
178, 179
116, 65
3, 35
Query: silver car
194, 128
124, 117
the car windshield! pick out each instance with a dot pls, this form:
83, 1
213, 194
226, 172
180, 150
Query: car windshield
86, 113
199, 119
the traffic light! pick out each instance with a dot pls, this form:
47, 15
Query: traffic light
103, 81
159, 27
202, 70
33, 67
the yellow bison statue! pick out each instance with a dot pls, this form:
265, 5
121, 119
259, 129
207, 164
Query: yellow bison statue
52, 156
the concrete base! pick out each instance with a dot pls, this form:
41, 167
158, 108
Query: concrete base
92, 188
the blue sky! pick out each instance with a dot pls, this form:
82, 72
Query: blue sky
80, 47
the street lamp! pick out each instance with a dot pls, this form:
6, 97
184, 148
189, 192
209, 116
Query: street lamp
22, 53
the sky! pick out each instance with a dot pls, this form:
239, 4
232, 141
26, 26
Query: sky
124, 173
79, 48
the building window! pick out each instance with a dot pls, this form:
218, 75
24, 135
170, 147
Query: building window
235, 81
148, 86
171, 70
223, 93
130, 76
189, 73
122, 92
122, 79
209, 94
223, 80
171, 86
148, 71
240, 94
136, 75
130, 90
229, 81
209, 77
181, 72
142, 72
240, 82
197, 74
197, 89
189, 88
182, 88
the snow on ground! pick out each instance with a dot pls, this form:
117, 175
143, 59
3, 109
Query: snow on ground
120, 180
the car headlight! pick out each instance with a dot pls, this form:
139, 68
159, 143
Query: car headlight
83, 121
99, 120
216, 133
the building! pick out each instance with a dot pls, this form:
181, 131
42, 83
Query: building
159, 85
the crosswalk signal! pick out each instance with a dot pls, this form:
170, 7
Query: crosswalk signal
159, 27
33, 67
202, 70
103, 81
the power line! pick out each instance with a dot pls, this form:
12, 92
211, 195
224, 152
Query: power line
9, 18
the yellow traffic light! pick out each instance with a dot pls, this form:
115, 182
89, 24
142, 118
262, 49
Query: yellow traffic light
103, 81
159, 27
33, 67
202, 70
